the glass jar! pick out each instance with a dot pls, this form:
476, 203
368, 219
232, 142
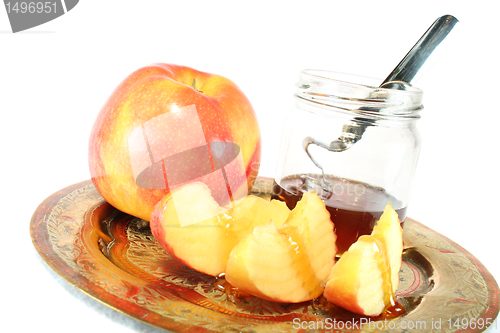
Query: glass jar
355, 144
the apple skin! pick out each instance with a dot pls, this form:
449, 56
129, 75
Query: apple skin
365, 279
225, 115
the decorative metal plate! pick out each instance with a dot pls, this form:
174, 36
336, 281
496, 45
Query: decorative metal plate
114, 258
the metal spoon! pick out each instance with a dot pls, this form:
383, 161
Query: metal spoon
411, 64
400, 78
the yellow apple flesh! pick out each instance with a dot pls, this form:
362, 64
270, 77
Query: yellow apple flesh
388, 230
359, 281
271, 265
289, 263
191, 226
365, 278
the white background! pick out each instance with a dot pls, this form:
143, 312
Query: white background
54, 78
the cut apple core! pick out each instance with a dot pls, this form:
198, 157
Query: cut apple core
365, 278
289, 263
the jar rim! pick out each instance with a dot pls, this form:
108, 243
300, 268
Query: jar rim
342, 77
357, 93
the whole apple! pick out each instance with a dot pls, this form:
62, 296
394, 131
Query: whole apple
167, 125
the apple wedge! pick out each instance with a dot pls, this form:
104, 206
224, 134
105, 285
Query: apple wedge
191, 226
271, 265
185, 224
289, 263
366, 277
359, 281
316, 230
388, 230
252, 211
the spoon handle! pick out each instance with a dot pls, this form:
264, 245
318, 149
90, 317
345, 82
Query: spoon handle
410, 65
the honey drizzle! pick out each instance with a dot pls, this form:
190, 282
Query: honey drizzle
221, 284
393, 310
385, 269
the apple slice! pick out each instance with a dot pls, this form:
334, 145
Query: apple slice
191, 226
359, 281
288, 263
185, 223
312, 219
366, 277
282, 212
253, 211
271, 265
388, 230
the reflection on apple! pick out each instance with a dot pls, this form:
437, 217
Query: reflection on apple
167, 125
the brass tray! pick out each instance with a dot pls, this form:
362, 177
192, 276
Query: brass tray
113, 257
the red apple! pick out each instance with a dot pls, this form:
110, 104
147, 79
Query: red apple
167, 125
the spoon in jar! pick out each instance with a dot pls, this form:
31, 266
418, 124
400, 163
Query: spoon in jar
412, 64
400, 78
